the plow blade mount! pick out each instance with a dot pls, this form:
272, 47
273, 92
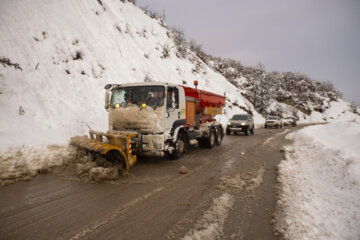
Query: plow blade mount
115, 148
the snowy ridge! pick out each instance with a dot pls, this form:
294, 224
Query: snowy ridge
320, 183
281, 93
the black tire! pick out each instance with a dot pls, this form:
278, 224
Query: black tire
179, 146
277, 126
228, 132
252, 130
211, 139
246, 131
219, 136
281, 125
202, 142
266, 126
208, 142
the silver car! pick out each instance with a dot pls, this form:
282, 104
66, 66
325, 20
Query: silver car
241, 123
273, 121
290, 121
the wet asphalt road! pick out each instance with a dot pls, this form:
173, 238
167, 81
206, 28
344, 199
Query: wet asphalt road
154, 201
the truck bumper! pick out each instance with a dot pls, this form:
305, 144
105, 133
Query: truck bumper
150, 145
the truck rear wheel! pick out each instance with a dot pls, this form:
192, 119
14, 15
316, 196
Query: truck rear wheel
211, 140
180, 146
208, 142
219, 136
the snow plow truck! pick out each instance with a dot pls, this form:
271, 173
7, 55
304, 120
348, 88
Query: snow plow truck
155, 119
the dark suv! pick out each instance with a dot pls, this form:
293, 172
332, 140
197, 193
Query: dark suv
241, 123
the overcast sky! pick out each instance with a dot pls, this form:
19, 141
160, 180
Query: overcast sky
320, 38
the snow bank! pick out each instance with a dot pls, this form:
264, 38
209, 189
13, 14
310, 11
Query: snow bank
320, 183
23, 163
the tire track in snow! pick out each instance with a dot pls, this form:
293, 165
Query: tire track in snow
210, 225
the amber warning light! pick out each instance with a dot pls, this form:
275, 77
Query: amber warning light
196, 84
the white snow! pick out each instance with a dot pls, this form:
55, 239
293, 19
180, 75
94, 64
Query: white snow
68, 50
338, 110
320, 183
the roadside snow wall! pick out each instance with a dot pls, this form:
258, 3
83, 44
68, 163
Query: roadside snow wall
320, 183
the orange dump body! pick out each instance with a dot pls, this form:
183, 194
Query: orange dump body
202, 106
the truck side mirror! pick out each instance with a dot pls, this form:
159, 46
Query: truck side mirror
108, 86
107, 99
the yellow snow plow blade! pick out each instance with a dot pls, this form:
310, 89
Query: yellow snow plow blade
113, 147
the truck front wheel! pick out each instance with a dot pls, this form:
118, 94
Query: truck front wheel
179, 147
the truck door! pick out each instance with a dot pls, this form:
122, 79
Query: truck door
173, 113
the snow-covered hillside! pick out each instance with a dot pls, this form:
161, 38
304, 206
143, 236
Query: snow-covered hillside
67, 51
284, 94
56, 57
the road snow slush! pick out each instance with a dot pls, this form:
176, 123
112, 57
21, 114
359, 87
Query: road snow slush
211, 224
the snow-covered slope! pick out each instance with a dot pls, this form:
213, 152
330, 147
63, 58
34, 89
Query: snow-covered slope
56, 57
67, 51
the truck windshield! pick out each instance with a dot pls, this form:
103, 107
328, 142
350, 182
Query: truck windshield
239, 117
273, 118
152, 96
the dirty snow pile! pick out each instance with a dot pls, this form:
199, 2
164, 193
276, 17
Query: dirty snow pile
320, 183
57, 56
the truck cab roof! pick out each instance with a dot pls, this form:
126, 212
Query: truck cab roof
145, 84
